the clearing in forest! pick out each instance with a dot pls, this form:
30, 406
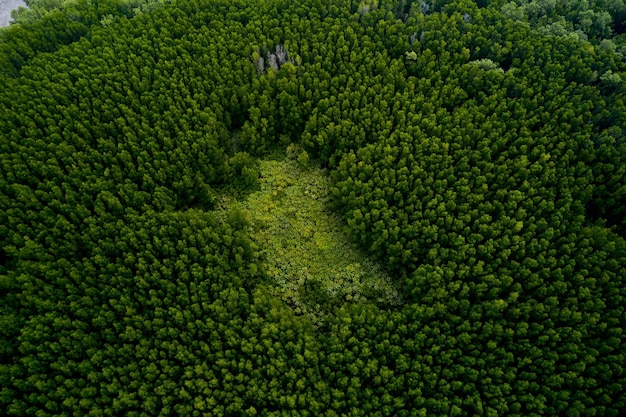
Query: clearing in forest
311, 263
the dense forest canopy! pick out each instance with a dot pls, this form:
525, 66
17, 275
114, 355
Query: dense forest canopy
478, 158
30, 11
597, 20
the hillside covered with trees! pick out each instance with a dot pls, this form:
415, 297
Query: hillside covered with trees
475, 161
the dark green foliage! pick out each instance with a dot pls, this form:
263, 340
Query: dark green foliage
596, 19
132, 313
20, 43
481, 162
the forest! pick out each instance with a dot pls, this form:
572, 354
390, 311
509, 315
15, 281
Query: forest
313, 207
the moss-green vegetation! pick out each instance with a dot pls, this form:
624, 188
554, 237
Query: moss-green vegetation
309, 260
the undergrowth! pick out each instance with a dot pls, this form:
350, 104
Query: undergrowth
310, 262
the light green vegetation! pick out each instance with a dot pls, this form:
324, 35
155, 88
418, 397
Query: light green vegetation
310, 261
